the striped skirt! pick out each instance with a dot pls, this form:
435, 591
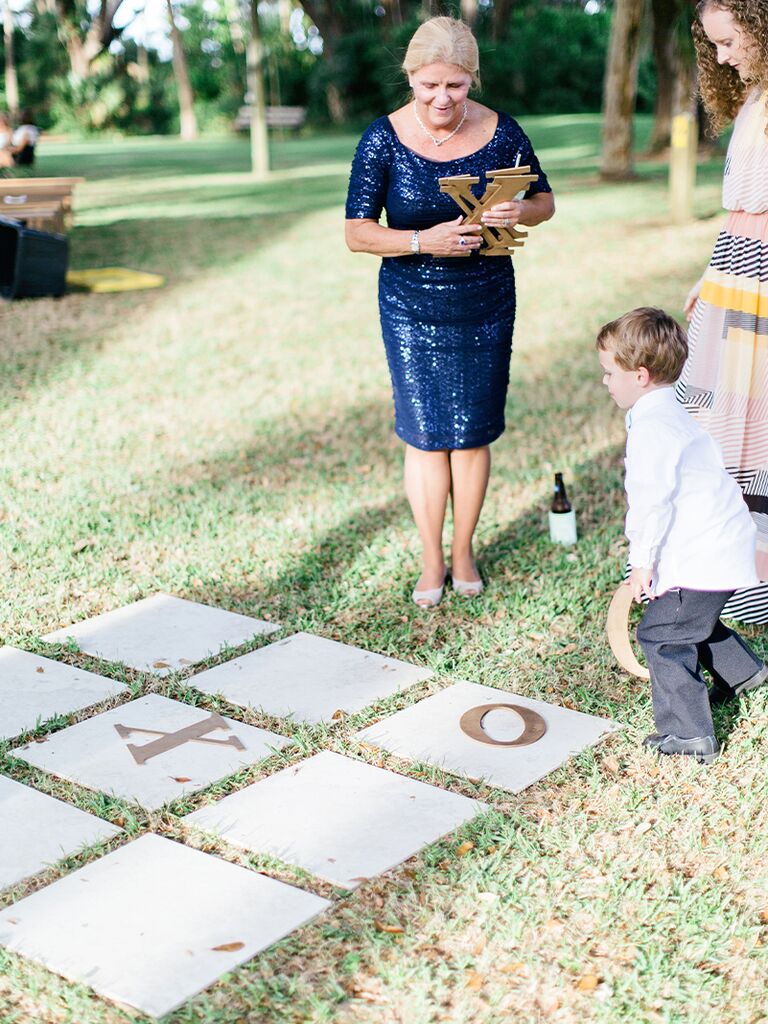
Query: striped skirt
725, 380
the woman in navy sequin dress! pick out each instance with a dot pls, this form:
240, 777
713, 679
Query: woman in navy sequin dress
447, 313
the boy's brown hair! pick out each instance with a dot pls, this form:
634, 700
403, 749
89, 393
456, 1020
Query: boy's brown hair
646, 337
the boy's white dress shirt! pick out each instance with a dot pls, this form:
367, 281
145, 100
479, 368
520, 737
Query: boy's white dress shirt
687, 518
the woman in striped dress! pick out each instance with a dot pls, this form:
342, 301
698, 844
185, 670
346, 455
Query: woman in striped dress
725, 381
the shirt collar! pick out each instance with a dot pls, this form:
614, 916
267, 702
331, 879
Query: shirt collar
647, 404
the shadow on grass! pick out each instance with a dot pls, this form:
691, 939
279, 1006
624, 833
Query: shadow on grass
209, 225
160, 157
50, 332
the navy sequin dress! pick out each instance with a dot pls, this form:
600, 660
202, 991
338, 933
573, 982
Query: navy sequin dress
447, 322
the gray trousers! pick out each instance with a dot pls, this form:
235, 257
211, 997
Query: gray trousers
680, 634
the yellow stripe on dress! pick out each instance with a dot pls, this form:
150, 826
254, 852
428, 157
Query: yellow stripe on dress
734, 293
744, 365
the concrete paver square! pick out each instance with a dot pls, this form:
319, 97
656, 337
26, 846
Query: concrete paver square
36, 830
34, 689
308, 678
151, 750
154, 922
162, 634
341, 819
431, 731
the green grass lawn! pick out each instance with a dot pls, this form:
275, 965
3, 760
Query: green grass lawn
228, 439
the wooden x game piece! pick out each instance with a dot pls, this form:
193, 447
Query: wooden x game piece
197, 732
503, 185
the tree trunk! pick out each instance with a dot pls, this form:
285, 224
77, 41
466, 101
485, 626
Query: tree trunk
394, 13
255, 67
11, 81
285, 9
187, 118
501, 12
684, 92
329, 20
232, 9
666, 58
144, 94
620, 90
83, 49
468, 10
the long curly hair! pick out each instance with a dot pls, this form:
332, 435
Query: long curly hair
722, 90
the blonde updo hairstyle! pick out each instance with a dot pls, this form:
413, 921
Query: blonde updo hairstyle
443, 41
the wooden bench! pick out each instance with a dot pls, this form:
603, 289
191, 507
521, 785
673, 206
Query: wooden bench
277, 117
42, 203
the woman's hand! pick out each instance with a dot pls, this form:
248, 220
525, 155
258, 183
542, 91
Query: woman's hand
504, 215
692, 299
452, 238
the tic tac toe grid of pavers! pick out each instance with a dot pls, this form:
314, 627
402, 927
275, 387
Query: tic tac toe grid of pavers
340, 819
429, 731
154, 922
36, 830
34, 689
161, 634
334, 816
151, 750
308, 678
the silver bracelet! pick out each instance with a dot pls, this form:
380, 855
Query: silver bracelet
415, 244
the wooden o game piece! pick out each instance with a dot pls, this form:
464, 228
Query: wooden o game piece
617, 630
503, 186
534, 726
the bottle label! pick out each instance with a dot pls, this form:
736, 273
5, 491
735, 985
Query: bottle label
562, 527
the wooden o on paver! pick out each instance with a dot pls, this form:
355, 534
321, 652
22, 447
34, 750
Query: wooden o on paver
534, 726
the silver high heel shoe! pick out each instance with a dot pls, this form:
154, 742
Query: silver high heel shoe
428, 598
468, 588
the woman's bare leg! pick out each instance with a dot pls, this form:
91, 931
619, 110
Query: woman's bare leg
427, 485
470, 469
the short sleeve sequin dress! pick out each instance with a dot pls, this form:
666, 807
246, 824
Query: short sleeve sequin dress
447, 322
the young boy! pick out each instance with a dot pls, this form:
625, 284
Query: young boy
691, 537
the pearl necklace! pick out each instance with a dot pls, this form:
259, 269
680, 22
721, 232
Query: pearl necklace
439, 142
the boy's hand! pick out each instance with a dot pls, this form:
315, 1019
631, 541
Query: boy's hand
640, 581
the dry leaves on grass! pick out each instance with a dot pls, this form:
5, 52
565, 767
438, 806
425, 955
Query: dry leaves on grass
370, 990
517, 967
547, 1002
588, 982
